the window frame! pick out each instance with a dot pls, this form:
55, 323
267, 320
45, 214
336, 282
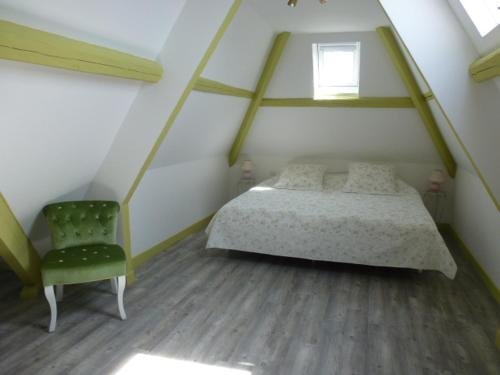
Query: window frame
322, 91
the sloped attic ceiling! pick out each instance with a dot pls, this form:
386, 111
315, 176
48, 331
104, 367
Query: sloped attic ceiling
197, 144
470, 109
57, 125
309, 16
139, 28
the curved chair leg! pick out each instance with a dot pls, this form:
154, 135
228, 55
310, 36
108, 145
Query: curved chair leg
121, 289
59, 292
114, 287
51, 298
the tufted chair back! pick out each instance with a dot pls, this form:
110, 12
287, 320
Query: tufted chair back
82, 223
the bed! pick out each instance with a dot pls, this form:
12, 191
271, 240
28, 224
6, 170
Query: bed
330, 225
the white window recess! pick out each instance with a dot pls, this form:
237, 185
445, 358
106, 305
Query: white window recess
336, 69
485, 14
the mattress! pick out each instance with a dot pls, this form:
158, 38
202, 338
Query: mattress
329, 225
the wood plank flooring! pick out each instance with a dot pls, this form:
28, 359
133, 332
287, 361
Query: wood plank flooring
263, 314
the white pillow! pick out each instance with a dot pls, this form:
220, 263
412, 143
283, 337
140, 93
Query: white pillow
302, 177
370, 178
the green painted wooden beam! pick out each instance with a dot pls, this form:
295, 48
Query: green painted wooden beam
416, 95
428, 95
163, 134
267, 73
359, 102
487, 67
214, 87
22, 43
127, 242
17, 251
182, 100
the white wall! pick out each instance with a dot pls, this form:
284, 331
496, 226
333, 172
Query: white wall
241, 54
477, 222
337, 135
371, 133
294, 75
443, 51
188, 179
205, 128
186, 45
172, 198
57, 126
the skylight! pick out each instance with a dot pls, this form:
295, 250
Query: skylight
485, 14
336, 69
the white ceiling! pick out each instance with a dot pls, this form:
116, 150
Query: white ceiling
137, 27
309, 16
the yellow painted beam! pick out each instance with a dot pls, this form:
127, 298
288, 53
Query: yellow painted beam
267, 73
175, 112
127, 243
359, 102
166, 244
487, 67
428, 95
168, 125
17, 251
22, 43
214, 87
416, 95
451, 127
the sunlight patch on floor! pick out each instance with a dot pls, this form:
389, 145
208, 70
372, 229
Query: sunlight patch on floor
142, 364
261, 188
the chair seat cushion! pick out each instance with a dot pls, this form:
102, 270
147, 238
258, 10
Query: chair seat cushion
80, 264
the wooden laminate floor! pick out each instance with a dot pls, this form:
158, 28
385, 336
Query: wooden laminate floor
261, 315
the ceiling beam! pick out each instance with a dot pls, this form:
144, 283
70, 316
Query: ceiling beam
165, 130
417, 96
22, 43
267, 73
214, 87
428, 95
359, 102
487, 67
18, 252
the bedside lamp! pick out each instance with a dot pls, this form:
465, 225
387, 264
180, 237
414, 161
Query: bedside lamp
247, 168
437, 178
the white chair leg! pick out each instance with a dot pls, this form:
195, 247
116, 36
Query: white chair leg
59, 292
121, 289
114, 287
51, 298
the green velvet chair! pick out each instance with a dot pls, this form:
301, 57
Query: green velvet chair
84, 250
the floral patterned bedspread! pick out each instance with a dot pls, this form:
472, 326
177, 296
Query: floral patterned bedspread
329, 225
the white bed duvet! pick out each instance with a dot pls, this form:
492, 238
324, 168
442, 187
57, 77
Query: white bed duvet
377, 230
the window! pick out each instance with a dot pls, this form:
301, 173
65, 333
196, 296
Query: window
336, 69
485, 14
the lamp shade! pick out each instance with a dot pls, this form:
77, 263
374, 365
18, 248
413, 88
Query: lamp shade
247, 168
437, 176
